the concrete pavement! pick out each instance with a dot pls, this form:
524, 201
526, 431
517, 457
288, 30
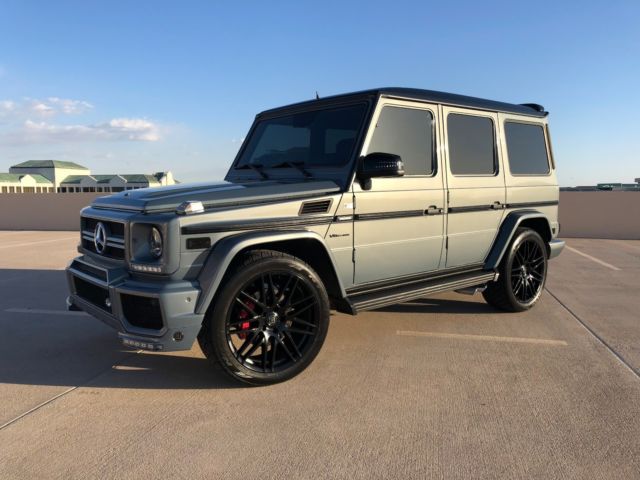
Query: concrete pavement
444, 387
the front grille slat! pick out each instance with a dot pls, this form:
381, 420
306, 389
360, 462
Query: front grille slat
115, 247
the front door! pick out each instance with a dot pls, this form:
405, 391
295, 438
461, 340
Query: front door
475, 182
399, 222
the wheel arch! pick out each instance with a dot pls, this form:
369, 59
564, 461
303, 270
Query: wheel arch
306, 245
532, 219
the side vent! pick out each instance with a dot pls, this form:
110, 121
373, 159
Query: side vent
321, 206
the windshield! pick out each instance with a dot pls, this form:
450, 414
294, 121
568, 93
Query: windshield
317, 138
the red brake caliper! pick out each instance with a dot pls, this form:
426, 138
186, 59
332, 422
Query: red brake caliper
245, 325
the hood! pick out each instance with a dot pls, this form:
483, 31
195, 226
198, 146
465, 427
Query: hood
213, 195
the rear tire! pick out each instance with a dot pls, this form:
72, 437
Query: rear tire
523, 273
268, 321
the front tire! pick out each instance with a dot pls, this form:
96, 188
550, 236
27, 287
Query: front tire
269, 320
523, 273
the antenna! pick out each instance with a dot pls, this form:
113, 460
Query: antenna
317, 96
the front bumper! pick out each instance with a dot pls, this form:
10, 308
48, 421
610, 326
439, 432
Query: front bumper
555, 247
151, 315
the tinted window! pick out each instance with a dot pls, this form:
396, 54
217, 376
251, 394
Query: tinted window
527, 149
471, 145
316, 138
406, 132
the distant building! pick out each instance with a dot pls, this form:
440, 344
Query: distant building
605, 187
25, 183
48, 176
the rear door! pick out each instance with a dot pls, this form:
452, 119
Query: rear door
399, 221
475, 184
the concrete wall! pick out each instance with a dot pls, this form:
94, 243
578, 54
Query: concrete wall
582, 214
42, 211
600, 215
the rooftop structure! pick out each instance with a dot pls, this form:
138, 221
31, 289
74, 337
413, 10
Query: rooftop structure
48, 176
24, 183
606, 187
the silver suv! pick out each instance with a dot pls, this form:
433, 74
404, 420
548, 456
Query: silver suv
351, 202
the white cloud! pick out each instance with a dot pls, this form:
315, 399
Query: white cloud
134, 129
7, 107
118, 129
32, 121
43, 108
69, 106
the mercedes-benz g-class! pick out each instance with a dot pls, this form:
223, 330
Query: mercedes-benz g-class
351, 202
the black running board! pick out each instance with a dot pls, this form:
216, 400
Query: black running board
405, 293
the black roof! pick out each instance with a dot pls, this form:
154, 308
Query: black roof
444, 98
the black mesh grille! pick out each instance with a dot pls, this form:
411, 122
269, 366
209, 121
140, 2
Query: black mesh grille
143, 312
92, 293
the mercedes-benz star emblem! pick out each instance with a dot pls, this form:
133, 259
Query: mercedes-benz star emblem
100, 238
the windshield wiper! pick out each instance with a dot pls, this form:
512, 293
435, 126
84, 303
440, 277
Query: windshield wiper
256, 167
297, 165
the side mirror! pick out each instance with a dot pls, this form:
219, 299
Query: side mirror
379, 164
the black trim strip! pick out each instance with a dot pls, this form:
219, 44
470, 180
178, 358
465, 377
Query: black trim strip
482, 208
470, 208
290, 222
387, 215
254, 225
533, 204
409, 279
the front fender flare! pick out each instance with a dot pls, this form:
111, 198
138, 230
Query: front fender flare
225, 250
506, 232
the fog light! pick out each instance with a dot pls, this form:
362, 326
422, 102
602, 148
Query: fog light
107, 302
178, 336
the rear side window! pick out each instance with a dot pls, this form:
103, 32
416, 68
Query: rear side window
527, 149
407, 132
471, 145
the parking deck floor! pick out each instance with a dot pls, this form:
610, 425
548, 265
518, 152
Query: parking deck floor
444, 387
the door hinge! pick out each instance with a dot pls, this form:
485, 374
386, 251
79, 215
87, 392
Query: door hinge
353, 255
446, 243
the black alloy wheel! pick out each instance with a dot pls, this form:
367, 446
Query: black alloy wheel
269, 321
522, 273
528, 271
273, 321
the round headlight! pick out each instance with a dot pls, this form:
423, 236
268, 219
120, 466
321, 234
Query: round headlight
155, 242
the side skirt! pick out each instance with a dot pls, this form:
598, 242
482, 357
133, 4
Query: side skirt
405, 292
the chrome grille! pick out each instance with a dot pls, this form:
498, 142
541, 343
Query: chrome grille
115, 244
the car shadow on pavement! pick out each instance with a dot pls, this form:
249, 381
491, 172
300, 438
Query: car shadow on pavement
441, 305
43, 344
162, 371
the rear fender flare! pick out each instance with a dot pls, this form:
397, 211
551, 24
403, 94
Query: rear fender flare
506, 233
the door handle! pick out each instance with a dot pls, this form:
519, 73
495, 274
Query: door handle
497, 205
433, 210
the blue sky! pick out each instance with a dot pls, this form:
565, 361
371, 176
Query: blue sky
142, 86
